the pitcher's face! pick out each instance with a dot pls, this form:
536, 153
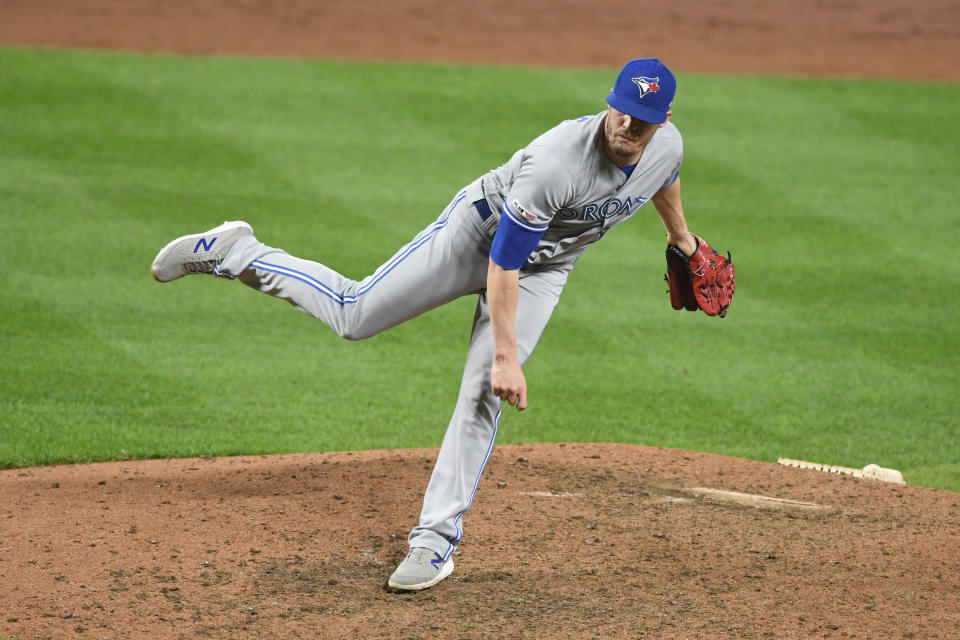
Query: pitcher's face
626, 136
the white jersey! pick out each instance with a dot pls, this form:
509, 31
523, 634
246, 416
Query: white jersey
564, 182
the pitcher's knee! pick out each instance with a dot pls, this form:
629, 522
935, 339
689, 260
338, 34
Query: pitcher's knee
358, 322
354, 332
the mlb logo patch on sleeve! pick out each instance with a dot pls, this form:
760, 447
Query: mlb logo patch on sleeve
523, 212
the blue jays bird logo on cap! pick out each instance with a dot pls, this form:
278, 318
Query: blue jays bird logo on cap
646, 85
644, 90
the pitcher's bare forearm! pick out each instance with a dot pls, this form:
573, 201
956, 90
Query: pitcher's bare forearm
670, 207
506, 376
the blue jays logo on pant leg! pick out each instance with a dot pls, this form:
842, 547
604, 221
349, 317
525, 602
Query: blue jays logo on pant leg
647, 85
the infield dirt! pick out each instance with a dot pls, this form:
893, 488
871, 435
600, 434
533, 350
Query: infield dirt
579, 540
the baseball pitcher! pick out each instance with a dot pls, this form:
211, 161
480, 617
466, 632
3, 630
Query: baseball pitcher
511, 237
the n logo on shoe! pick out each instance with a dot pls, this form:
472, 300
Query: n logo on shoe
437, 560
203, 243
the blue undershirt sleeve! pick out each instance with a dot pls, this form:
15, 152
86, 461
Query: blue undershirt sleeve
513, 243
671, 180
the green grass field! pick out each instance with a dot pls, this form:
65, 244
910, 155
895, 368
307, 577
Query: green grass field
837, 199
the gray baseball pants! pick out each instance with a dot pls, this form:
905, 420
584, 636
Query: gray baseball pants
446, 260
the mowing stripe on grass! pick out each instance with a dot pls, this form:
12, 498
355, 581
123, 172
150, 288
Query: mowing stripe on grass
836, 200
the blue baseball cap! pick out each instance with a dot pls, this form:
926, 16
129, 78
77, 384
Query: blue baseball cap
644, 90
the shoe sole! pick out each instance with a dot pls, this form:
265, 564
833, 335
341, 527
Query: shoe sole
445, 571
182, 248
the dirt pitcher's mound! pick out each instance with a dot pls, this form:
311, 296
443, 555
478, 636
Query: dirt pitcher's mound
584, 540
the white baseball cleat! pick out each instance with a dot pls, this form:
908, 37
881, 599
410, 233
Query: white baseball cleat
197, 253
421, 569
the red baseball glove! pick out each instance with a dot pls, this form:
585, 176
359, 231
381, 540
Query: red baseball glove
704, 280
